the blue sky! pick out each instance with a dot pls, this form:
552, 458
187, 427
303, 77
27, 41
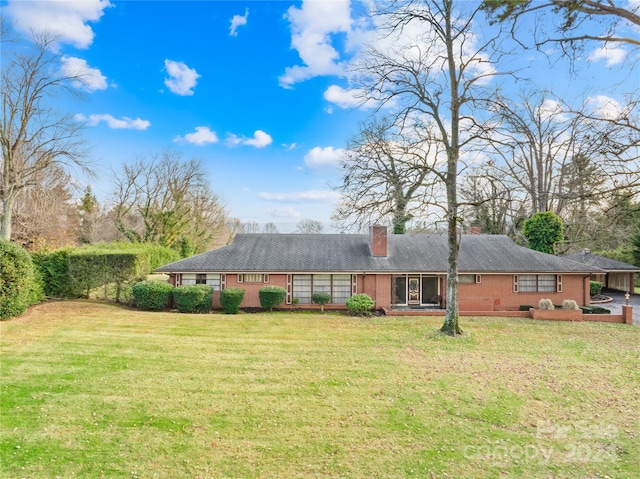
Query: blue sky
256, 90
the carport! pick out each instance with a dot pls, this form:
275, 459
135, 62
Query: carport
617, 275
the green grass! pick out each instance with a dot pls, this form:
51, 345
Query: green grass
93, 390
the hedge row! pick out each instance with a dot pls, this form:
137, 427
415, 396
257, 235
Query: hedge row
74, 272
20, 283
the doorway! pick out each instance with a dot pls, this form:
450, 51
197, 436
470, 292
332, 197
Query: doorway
415, 290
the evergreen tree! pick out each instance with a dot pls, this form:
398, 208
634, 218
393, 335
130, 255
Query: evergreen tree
544, 230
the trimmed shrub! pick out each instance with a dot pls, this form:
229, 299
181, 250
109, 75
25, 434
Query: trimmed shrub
272, 297
193, 298
230, 300
19, 284
570, 304
359, 304
594, 310
595, 288
152, 295
546, 304
321, 299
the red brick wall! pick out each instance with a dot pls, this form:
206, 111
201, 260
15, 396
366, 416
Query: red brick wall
495, 292
498, 291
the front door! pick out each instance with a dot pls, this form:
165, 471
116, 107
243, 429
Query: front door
414, 290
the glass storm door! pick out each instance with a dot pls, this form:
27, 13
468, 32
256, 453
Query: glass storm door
414, 290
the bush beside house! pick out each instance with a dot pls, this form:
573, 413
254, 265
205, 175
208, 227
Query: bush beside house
230, 300
359, 304
272, 297
321, 299
193, 298
152, 295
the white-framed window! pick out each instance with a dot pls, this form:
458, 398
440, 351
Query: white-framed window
253, 278
210, 279
339, 286
302, 287
537, 283
469, 278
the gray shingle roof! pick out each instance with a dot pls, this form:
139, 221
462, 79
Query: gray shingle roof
295, 253
608, 264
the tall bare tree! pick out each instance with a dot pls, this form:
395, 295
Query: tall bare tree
562, 157
384, 176
433, 64
35, 138
167, 200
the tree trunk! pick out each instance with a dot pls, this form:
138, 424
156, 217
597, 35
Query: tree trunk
451, 324
7, 213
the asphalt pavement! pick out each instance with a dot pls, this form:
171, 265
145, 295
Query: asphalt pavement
618, 299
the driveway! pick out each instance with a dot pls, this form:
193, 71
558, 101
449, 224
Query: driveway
618, 300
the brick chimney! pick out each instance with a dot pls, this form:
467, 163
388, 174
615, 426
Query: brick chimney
378, 240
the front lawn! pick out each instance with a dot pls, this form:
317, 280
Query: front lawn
94, 390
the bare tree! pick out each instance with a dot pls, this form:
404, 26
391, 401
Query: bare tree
35, 137
493, 200
385, 173
434, 64
45, 214
561, 157
309, 226
271, 228
609, 16
167, 200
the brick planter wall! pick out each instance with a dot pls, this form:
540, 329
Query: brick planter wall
557, 314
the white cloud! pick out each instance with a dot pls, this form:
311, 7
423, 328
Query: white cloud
115, 123
238, 21
605, 107
88, 78
324, 159
285, 212
202, 136
311, 196
260, 139
351, 98
341, 97
312, 27
611, 55
62, 19
182, 79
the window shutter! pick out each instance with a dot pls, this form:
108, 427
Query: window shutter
515, 283
289, 280
266, 278
478, 279
559, 283
354, 284
223, 281
240, 278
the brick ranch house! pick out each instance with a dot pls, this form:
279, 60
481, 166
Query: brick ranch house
396, 271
